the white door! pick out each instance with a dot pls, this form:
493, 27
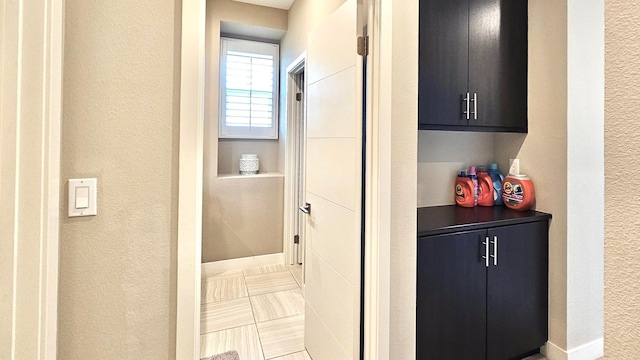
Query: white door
333, 188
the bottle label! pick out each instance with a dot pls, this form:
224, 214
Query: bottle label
513, 194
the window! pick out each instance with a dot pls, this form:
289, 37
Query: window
248, 89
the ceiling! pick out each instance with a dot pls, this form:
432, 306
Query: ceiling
280, 4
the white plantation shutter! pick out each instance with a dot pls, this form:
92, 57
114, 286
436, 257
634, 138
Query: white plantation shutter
248, 89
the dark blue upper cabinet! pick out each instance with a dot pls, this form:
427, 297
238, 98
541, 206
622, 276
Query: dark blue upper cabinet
473, 65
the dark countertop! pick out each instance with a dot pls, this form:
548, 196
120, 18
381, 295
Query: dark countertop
436, 220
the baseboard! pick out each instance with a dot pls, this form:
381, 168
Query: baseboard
589, 351
241, 263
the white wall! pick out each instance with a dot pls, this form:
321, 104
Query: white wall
585, 173
6, 247
303, 16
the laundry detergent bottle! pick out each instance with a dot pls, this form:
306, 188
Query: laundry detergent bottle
518, 192
497, 178
464, 190
485, 187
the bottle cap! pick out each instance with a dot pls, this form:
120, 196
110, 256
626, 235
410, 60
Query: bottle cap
493, 166
472, 170
514, 166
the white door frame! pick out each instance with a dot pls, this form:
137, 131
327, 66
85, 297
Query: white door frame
30, 109
376, 318
192, 78
291, 166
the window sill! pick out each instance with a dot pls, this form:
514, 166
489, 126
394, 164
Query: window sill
255, 176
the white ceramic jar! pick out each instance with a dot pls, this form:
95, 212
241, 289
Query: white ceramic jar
249, 164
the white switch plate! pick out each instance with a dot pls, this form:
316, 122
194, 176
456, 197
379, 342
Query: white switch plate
83, 197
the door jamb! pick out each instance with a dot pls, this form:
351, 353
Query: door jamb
189, 247
290, 161
30, 199
377, 224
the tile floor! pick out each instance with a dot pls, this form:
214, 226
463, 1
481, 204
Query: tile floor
257, 312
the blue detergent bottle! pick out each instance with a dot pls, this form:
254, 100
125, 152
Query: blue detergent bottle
497, 178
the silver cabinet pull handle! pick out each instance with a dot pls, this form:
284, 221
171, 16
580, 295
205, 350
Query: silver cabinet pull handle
306, 208
486, 251
495, 251
467, 105
475, 106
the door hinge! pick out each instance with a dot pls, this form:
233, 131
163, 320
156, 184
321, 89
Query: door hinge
363, 45
298, 96
296, 239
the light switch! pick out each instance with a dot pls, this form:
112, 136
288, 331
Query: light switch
83, 197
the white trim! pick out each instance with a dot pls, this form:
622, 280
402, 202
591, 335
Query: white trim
215, 267
377, 217
31, 174
290, 162
190, 180
53, 106
590, 351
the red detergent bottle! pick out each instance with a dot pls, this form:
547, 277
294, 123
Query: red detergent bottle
485, 187
464, 191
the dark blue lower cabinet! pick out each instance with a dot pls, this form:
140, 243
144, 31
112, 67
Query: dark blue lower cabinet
482, 294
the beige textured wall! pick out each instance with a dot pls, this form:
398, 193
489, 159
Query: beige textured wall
622, 205
543, 150
441, 154
563, 148
120, 124
229, 222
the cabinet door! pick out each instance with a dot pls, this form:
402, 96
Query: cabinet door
517, 290
451, 297
498, 63
443, 62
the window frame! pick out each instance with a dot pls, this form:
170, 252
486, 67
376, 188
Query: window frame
248, 132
